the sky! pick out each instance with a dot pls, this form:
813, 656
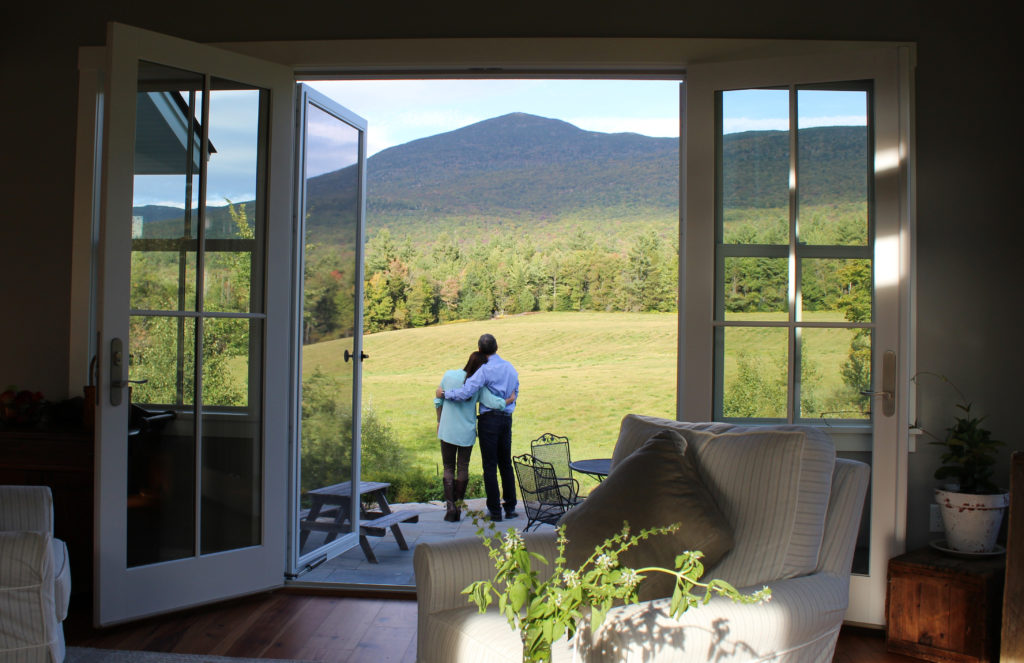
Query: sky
399, 111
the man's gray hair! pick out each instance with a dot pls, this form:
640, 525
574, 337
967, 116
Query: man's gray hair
487, 344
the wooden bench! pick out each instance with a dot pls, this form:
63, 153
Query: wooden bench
376, 523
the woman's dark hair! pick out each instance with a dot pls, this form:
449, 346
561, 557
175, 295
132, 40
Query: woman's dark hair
476, 360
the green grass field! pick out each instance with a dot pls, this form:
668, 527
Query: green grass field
580, 373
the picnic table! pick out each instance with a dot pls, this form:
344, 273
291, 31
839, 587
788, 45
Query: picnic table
330, 507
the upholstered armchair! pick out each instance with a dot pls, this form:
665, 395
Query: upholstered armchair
35, 580
792, 507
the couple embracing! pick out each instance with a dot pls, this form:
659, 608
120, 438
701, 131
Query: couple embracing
492, 382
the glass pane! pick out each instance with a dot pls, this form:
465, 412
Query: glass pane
162, 280
227, 349
232, 456
161, 443
835, 366
162, 354
755, 285
234, 199
833, 166
754, 167
328, 322
161, 488
834, 289
754, 371
166, 188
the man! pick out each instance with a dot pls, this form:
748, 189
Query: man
494, 427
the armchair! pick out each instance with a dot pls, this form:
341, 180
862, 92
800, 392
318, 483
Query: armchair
794, 510
35, 580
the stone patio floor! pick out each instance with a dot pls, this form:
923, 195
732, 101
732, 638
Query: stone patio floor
394, 567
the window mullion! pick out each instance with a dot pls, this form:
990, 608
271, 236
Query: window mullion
793, 381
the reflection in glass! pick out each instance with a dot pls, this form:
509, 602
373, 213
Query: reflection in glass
754, 372
836, 289
162, 354
835, 366
754, 167
232, 447
332, 178
163, 280
755, 285
833, 167
199, 263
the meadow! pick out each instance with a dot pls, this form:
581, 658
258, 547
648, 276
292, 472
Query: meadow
580, 373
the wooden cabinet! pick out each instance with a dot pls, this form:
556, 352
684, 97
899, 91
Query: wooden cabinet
63, 460
944, 608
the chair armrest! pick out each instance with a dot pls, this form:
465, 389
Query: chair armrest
25, 560
443, 569
26, 508
802, 619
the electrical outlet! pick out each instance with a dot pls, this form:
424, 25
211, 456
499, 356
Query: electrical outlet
935, 522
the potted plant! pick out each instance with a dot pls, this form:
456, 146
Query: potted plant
972, 505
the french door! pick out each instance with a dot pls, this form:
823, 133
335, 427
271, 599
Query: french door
194, 325
795, 267
330, 211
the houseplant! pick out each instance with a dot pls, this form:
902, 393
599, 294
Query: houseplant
972, 505
545, 610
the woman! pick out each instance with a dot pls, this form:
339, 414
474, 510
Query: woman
456, 428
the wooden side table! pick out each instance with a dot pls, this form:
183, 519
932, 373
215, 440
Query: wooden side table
943, 608
63, 460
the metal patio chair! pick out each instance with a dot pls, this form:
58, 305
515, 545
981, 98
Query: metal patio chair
546, 496
553, 449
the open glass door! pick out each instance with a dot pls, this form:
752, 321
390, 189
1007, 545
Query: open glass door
796, 277
193, 325
331, 166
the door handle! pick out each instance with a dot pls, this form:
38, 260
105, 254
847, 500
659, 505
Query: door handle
888, 392
351, 355
117, 369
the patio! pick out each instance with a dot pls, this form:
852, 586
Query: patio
394, 567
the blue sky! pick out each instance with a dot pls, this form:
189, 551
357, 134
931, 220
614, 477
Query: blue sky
398, 111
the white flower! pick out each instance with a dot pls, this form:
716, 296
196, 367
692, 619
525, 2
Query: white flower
630, 578
558, 599
603, 561
571, 578
512, 541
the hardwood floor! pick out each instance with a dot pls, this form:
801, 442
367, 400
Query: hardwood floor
331, 629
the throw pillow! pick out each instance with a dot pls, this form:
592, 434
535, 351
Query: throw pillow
655, 486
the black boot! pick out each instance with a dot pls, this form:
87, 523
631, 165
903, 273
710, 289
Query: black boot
459, 495
451, 514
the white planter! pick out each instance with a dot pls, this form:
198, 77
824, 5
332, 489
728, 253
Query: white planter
971, 522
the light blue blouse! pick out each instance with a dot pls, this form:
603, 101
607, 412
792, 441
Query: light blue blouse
458, 418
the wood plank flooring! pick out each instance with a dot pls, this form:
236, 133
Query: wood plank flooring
325, 628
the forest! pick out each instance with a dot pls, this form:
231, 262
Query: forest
520, 215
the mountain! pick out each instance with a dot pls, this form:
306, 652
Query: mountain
528, 171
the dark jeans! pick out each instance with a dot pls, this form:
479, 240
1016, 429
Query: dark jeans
495, 432
452, 456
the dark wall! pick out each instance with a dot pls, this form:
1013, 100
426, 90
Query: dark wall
967, 148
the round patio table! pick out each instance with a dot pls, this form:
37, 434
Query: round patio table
595, 467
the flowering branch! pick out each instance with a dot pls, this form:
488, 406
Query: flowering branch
543, 612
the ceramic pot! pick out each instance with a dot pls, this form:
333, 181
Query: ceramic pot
971, 522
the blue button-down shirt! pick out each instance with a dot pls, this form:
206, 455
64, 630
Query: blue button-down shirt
497, 375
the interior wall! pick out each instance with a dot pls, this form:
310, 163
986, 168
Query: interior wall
967, 156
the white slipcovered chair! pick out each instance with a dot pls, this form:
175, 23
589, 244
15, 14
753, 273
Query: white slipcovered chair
794, 510
35, 580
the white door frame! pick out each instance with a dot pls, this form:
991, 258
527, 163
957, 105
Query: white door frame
887, 66
121, 593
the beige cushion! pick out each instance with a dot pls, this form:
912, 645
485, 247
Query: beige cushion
771, 482
657, 485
